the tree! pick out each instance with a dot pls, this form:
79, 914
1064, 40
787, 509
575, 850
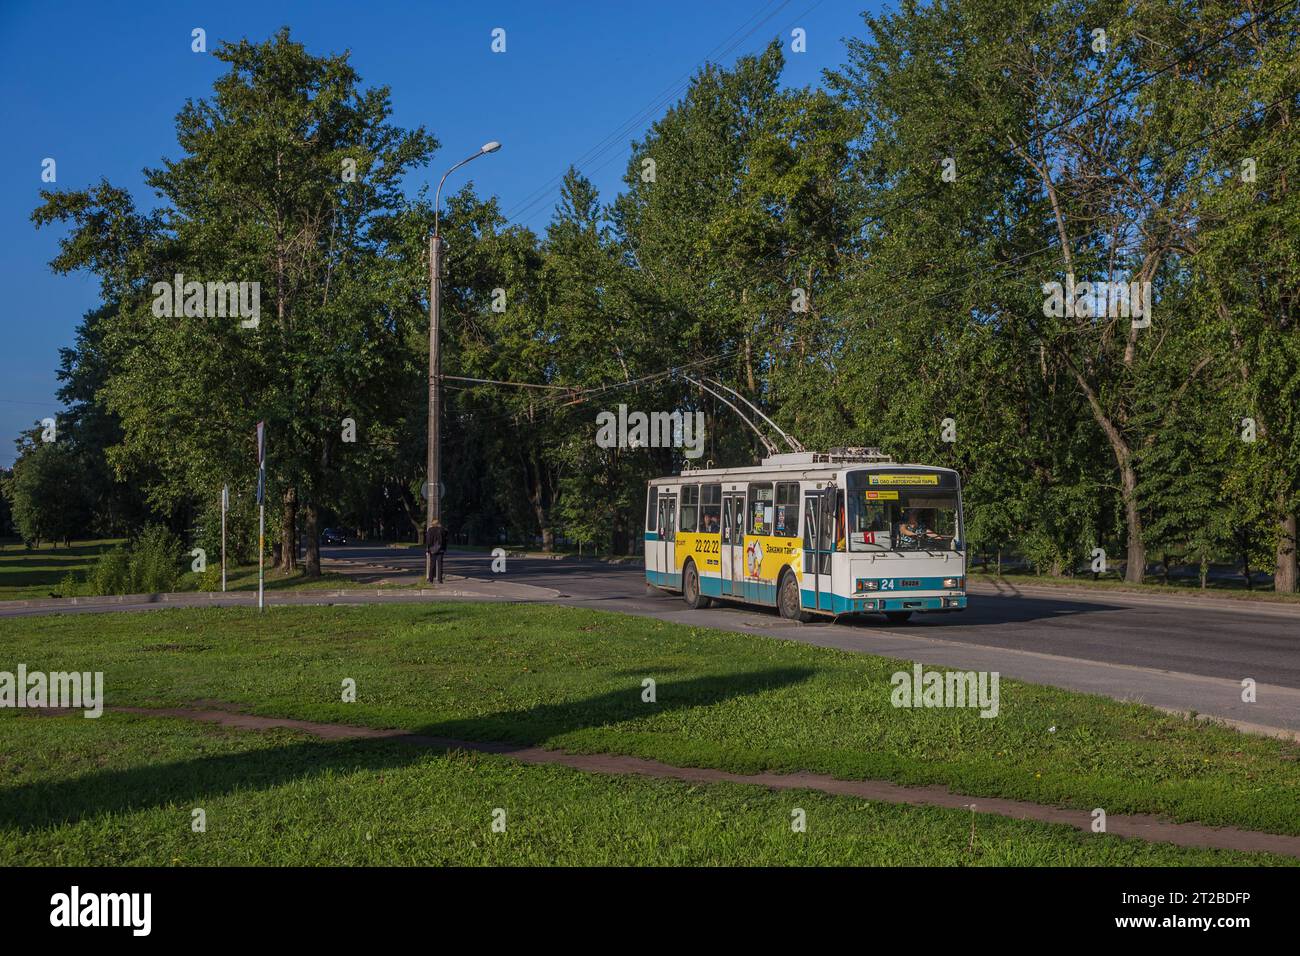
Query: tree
1243, 261
290, 178
46, 494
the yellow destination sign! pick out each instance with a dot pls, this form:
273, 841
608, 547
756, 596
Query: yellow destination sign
903, 479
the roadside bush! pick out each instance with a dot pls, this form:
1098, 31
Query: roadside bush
150, 565
155, 561
210, 580
241, 529
72, 586
111, 574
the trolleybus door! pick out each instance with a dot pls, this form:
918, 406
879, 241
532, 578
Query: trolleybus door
818, 546
733, 543
668, 538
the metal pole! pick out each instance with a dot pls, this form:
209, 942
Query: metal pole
225, 503
261, 514
261, 547
433, 470
433, 502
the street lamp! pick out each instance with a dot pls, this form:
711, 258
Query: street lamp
433, 471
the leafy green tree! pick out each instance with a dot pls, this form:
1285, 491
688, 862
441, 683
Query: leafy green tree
46, 495
1246, 285
290, 177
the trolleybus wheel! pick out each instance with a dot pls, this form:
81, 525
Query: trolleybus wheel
788, 600
691, 589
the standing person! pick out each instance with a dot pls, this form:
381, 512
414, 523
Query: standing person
435, 544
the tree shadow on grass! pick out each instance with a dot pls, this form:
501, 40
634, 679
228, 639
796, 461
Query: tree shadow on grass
20, 569
47, 804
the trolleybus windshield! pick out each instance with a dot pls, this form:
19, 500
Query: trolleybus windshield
903, 512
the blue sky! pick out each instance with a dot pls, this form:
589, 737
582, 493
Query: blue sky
97, 85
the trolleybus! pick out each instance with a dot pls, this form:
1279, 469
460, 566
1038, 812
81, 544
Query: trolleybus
843, 532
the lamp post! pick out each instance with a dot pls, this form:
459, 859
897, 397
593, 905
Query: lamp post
433, 470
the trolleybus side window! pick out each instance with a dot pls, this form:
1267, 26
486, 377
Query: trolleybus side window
690, 507
760, 508
839, 521
652, 510
710, 508
786, 521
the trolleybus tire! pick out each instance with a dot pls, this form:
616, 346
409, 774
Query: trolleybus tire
897, 617
691, 589
787, 600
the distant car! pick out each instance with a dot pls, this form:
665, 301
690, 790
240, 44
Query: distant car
333, 536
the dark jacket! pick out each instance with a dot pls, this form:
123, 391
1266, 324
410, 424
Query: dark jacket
435, 539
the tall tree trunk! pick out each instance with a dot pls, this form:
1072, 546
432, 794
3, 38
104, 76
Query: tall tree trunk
289, 532
1285, 572
1135, 567
541, 497
1245, 561
548, 532
311, 521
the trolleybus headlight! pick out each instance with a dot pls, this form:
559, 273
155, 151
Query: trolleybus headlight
954, 582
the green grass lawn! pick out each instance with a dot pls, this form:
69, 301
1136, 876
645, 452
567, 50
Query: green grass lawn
40, 573
34, 574
121, 790
572, 679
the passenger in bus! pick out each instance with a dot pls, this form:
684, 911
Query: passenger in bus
709, 521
